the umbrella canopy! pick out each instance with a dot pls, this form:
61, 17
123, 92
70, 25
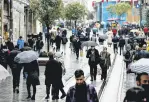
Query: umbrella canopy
26, 57
3, 73
135, 30
103, 36
89, 43
140, 66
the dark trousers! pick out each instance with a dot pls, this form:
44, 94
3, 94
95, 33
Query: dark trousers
34, 89
121, 50
127, 64
104, 72
55, 90
16, 77
93, 71
51, 42
57, 48
115, 48
77, 53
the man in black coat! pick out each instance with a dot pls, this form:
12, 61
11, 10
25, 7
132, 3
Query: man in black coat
121, 44
10, 44
58, 42
77, 47
53, 74
93, 56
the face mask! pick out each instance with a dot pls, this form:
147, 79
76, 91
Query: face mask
146, 87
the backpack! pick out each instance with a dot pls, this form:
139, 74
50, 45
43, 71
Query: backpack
127, 55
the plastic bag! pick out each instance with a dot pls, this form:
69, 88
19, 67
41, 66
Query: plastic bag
81, 53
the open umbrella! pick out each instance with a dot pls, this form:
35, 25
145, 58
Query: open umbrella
3, 73
103, 36
135, 30
26, 57
140, 66
89, 43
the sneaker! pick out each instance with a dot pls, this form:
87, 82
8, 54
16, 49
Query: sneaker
28, 97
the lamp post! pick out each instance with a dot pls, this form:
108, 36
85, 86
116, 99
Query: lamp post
141, 5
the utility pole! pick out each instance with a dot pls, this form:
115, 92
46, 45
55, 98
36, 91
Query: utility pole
141, 5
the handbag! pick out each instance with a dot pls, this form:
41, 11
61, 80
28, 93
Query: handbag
99, 71
81, 53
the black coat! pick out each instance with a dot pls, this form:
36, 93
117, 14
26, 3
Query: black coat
10, 45
31, 42
96, 56
53, 72
77, 45
33, 73
121, 42
58, 40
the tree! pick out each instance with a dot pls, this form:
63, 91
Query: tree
90, 16
118, 9
47, 11
147, 18
122, 8
75, 11
111, 9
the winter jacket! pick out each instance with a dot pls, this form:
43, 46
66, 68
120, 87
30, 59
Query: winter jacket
91, 94
10, 45
20, 43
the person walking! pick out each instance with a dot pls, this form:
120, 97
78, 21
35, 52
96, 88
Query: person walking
58, 42
121, 44
105, 62
64, 42
15, 69
39, 45
10, 44
93, 56
20, 42
32, 78
115, 41
31, 42
53, 74
81, 91
77, 47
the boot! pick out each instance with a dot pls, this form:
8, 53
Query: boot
47, 97
33, 97
63, 93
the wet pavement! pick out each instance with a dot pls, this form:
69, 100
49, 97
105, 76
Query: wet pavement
71, 64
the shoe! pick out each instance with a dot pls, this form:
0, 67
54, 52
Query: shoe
53, 98
56, 97
64, 95
91, 79
47, 97
28, 97
33, 98
17, 90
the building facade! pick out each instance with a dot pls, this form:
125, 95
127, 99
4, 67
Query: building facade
103, 15
17, 20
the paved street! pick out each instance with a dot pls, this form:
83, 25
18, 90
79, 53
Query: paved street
6, 94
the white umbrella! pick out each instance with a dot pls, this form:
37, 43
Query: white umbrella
103, 36
3, 73
89, 43
26, 57
140, 66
